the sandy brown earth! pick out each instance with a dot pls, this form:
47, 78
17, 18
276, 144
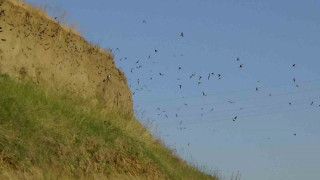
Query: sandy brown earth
35, 47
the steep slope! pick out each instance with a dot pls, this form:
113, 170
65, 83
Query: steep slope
66, 110
37, 48
49, 136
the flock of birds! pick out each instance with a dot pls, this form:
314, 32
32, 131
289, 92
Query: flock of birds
199, 79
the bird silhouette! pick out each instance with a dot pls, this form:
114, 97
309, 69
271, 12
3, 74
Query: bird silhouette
311, 103
137, 61
241, 65
238, 59
180, 86
294, 79
204, 94
200, 78
192, 75
179, 68
155, 50
144, 22
257, 89
181, 34
161, 74
235, 118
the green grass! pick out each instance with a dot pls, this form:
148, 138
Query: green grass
46, 134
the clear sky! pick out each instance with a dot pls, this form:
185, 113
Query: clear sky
276, 133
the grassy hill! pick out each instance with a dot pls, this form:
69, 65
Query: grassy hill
46, 134
66, 109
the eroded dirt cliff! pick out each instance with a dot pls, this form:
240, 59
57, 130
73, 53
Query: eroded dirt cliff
36, 47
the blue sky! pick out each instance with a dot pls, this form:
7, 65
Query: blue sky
268, 37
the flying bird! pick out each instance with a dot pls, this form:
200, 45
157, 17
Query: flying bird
199, 83
235, 118
203, 94
293, 65
179, 68
257, 89
180, 86
137, 62
155, 50
192, 75
238, 59
161, 74
294, 79
181, 34
311, 103
241, 65
144, 22
200, 78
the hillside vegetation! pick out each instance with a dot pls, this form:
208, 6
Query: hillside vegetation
49, 135
66, 109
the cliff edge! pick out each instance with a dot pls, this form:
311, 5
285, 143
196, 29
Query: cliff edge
35, 47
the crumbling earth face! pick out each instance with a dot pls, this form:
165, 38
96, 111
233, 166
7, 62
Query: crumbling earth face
37, 48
